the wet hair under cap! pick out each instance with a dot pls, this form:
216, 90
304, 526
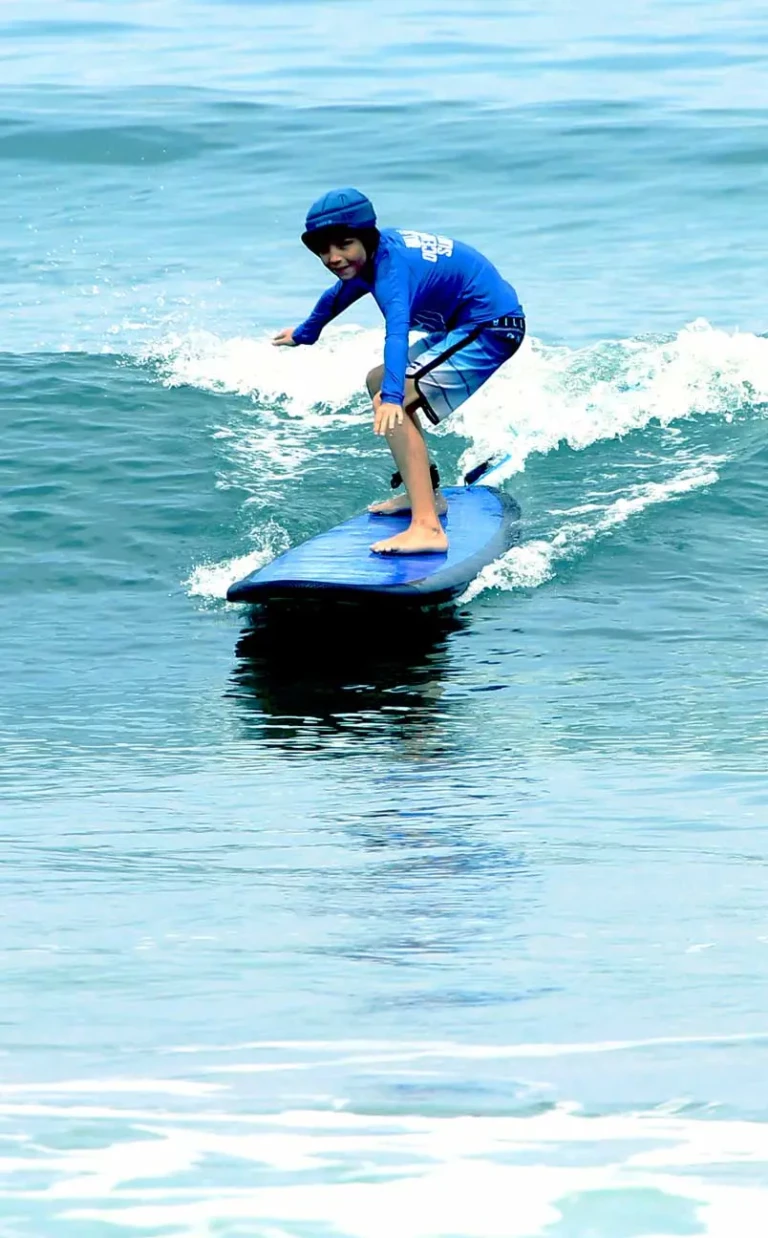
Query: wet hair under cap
321, 240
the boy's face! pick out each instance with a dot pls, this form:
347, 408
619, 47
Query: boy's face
346, 259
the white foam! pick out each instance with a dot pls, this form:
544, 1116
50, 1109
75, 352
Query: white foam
405, 1050
218, 1165
372, 1176
328, 376
210, 581
554, 395
547, 396
533, 563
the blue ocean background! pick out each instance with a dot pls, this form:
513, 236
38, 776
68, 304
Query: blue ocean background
450, 929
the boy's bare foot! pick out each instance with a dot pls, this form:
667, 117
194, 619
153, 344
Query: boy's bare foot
415, 540
402, 504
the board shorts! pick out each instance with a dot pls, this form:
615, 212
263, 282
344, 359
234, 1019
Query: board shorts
448, 368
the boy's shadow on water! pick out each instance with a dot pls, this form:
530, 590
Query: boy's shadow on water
303, 677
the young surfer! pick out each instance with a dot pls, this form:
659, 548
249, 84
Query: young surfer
474, 323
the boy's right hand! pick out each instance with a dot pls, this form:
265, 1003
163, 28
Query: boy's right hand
284, 339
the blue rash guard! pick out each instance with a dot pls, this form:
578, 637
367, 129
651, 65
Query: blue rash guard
423, 282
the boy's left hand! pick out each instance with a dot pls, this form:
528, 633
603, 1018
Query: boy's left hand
386, 416
284, 338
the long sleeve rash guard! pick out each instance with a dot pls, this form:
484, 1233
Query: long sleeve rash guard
422, 282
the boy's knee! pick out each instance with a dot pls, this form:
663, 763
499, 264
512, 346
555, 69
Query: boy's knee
373, 379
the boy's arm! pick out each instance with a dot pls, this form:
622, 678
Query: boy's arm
393, 294
333, 302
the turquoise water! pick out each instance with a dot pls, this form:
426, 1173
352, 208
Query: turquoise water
450, 930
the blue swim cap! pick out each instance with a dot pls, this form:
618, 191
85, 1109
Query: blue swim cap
340, 208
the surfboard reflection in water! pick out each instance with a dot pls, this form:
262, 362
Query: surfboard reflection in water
302, 676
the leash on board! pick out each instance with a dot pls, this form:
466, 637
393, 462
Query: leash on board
480, 470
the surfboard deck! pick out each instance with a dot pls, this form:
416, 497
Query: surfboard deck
481, 522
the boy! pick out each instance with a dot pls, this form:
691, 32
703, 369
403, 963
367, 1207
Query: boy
474, 323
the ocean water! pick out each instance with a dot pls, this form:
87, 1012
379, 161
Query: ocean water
448, 929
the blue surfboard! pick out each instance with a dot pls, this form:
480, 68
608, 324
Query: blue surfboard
481, 523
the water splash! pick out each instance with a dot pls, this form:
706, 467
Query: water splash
210, 581
303, 382
533, 563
